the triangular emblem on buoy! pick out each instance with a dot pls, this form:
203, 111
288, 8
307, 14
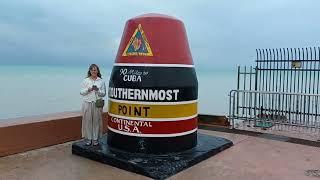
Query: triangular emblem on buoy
138, 44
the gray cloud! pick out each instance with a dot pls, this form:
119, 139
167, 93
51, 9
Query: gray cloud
221, 33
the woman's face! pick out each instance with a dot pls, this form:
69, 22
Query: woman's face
94, 72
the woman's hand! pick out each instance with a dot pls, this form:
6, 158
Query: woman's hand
95, 88
90, 89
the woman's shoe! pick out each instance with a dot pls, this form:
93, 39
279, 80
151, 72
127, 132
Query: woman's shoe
88, 143
95, 142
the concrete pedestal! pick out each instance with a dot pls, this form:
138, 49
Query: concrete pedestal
154, 166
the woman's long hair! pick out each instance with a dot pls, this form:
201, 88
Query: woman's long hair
94, 66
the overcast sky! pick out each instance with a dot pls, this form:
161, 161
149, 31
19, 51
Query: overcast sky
221, 33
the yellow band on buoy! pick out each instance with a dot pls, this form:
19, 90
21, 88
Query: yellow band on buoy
153, 110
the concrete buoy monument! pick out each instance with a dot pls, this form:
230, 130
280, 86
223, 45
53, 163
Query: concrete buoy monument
153, 103
153, 89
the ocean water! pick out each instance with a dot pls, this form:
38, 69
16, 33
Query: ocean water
36, 90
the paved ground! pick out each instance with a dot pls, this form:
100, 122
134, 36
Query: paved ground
251, 158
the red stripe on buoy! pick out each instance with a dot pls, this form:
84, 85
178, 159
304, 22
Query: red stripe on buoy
152, 127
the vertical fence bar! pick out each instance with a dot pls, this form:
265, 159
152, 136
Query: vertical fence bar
262, 64
238, 88
294, 86
272, 71
282, 74
318, 73
250, 96
268, 81
288, 87
313, 58
308, 87
315, 88
260, 74
299, 89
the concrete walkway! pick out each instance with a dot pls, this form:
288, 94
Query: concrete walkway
251, 158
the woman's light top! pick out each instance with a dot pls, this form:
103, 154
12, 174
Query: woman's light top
93, 95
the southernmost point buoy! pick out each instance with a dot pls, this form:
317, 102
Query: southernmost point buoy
153, 103
153, 89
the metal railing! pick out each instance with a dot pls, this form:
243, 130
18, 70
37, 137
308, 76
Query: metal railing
262, 108
283, 87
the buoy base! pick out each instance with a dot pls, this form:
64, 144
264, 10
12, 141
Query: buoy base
154, 145
154, 166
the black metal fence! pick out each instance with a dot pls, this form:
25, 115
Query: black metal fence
283, 88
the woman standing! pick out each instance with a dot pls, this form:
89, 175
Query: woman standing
92, 88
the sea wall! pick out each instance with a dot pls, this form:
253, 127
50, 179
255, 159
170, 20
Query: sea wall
34, 132
23, 134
